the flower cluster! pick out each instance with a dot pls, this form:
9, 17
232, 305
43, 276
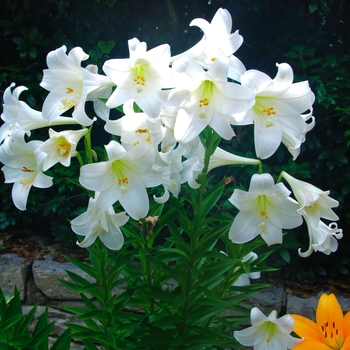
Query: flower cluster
331, 330
168, 103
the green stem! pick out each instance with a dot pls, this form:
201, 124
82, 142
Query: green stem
88, 149
210, 141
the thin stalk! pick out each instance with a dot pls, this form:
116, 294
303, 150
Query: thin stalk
209, 140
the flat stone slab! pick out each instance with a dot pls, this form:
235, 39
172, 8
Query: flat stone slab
13, 272
47, 273
307, 307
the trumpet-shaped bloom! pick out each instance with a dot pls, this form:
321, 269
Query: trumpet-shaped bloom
331, 330
23, 167
244, 278
313, 202
205, 98
105, 225
314, 205
17, 115
61, 146
322, 238
124, 177
136, 128
268, 333
277, 111
217, 41
69, 84
264, 210
140, 76
194, 163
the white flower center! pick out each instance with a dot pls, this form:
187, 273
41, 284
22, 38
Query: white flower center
139, 78
123, 181
203, 102
263, 213
64, 147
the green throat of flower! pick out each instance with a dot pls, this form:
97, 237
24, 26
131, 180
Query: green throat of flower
204, 101
139, 77
123, 181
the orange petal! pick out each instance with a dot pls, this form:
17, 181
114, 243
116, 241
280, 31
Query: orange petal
306, 329
311, 345
329, 318
347, 326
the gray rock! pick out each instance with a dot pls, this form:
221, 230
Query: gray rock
13, 271
33, 293
307, 307
47, 273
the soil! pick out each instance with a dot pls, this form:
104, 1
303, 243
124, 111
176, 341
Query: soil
35, 247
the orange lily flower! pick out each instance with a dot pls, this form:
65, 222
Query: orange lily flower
331, 330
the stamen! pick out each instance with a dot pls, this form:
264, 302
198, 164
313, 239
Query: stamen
69, 90
269, 111
64, 148
26, 170
25, 182
66, 104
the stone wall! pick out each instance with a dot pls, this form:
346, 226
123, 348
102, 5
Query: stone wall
38, 282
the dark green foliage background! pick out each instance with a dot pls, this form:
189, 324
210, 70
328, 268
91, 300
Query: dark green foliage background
312, 35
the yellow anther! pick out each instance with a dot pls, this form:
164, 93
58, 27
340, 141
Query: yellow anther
213, 59
203, 102
26, 170
69, 90
124, 181
268, 111
141, 131
64, 148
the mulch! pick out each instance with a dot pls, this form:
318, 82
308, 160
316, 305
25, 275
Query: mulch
35, 247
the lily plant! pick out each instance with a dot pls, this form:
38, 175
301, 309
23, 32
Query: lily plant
173, 244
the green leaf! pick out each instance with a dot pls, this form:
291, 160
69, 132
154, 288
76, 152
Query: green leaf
215, 273
106, 46
88, 269
313, 6
63, 341
285, 255
211, 198
9, 322
21, 341
27, 320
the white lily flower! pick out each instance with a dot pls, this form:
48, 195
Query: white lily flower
17, 115
277, 110
244, 279
170, 172
140, 76
322, 238
268, 333
294, 141
205, 98
103, 91
123, 177
217, 41
136, 128
264, 210
314, 203
69, 84
105, 225
194, 163
61, 146
23, 167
